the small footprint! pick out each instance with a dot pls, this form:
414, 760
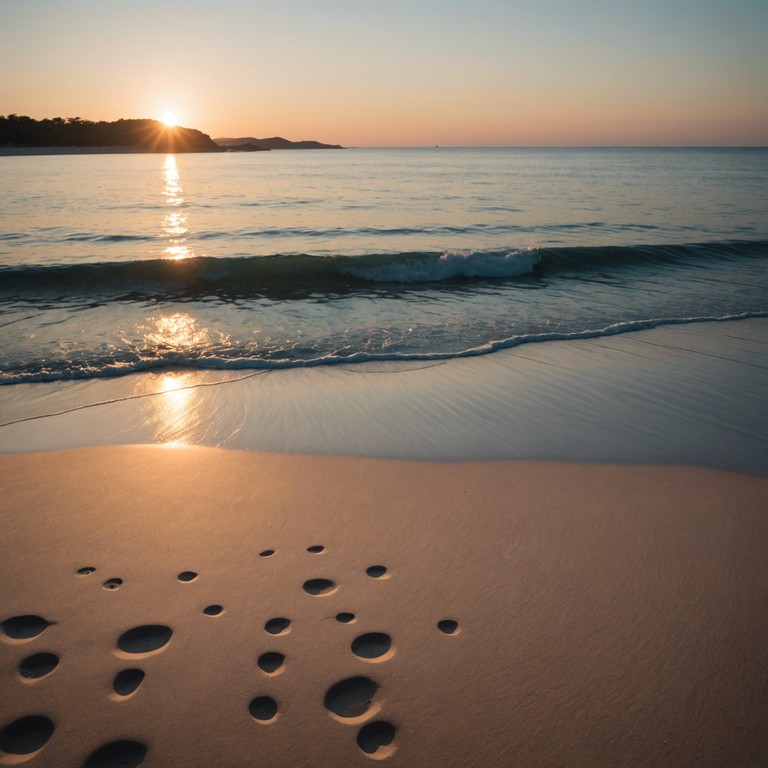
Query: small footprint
38, 665
345, 618
319, 587
124, 753
375, 738
187, 576
316, 549
86, 571
267, 553
128, 681
27, 735
263, 708
448, 626
376, 571
144, 639
112, 584
372, 645
25, 627
278, 626
270, 662
351, 697
213, 610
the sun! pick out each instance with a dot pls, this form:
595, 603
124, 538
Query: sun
170, 120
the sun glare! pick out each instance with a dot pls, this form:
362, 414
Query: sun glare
170, 120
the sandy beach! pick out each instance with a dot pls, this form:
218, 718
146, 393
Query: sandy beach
188, 605
592, 614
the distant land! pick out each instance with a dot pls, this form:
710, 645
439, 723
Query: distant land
20, 131
72, 135
249, 144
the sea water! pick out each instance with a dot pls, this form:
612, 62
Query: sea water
111, 264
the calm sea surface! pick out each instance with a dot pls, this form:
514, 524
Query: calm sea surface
111, 264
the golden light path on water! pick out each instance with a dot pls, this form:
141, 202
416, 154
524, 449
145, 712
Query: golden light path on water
175, 220
172, 415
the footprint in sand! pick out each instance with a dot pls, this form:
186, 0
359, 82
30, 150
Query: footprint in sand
278, 626
375, 739
187, 576
373, 646
267, 553
318, 587
86, 571
128, 681
377, 571
263, 709
345, 618
38, 665
448, 626
26, 736
125, 754
112, 584
351, 698
316, 549
213, 610
271, 662
25, 627
144, 639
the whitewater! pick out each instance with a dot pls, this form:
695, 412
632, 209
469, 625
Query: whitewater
112, 264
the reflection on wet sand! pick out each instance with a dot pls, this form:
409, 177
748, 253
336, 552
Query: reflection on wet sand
175, 221
172, 415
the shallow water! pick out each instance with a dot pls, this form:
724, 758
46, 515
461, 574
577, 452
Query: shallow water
111, 264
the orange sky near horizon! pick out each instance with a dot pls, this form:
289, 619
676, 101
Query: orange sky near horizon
485, 73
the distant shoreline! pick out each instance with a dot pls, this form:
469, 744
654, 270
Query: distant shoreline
25, 151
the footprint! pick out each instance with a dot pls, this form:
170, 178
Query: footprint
39, 665
278, 626
448, 626
27, 735
316, 549
144, 639
125, 754
345, 618
187, 576
267, 553
375, 739
25, 627
372, 645
263, 708
351, 697
270, 661
87, 571
112, 584
376, 571
319, 587
128, 681
213, 610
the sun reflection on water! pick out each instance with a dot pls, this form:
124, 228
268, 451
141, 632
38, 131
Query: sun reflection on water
175, 222
172, 415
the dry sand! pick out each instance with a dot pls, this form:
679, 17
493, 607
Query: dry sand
605, 615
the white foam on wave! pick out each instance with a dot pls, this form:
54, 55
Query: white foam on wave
448, 265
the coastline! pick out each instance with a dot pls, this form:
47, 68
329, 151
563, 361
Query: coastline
678, 394
32, 151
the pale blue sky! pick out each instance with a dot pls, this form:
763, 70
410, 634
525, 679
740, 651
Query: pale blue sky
400, 73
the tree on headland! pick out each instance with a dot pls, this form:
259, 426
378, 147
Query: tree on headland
142, 135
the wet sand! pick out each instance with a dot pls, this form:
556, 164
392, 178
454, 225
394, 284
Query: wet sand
678, 394
171, 606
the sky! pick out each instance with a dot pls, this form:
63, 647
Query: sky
401, 72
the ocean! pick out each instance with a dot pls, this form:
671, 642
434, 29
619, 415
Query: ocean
114, 264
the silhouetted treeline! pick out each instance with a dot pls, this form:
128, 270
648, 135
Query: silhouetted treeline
147, 135
276, 142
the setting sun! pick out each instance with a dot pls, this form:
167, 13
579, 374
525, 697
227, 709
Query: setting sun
170, 119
